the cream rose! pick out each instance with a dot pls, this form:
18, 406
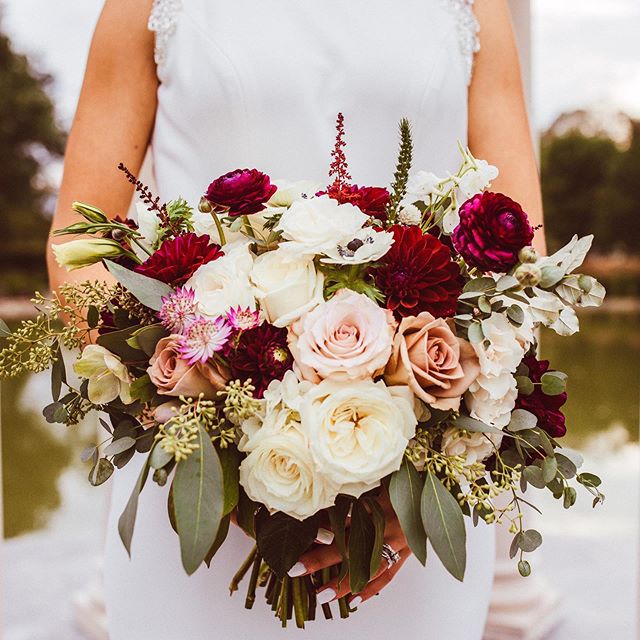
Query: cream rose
491, 399
473, 447
428, 357
172, 376
280, 471
316, 225
108, 377
348, 337
285, 288
358, 431
224, 283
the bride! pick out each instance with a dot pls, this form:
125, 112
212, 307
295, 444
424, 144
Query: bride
210, 86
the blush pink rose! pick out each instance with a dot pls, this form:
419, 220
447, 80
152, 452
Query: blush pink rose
173, 376
428, 357
348, 337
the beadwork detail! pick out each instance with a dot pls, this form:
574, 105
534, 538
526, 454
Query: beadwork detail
468, 31
163, 22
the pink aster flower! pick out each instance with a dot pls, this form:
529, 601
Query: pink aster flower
178, 309
243, 319
202, 338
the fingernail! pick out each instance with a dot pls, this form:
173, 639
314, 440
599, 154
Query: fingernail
325, 596
356, 602
297, 570
324, 536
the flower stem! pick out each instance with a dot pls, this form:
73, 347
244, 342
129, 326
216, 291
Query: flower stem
253, 582
284, 602
218, 224
299, 602
248, 227
242, 571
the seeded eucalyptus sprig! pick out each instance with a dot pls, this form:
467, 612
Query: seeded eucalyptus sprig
401, 176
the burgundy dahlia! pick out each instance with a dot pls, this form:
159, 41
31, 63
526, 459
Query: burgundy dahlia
241, 192
178, 258
417, 274
372, 201
492, 230
545, 408
261, 354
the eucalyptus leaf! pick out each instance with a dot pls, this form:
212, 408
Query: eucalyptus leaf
198, 495
521, 419
476, 334
93, 317
282, 539
551, 276
515, 314
480, 285
119, 446
58, 373
159, 458
444, 524
570, 497
148, 337
524, 568
143, 389
230, 461
246, 513
147, 290
361, 544
533, 475
507, 282
525, 386
474, 426
549, 469
405, 491
566, 466
223, 532
554, 383
101, 471
116, 342
589, 480
484, 305
127, 520
5, 332
530, 540
88, 453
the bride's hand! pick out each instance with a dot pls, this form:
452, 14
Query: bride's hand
324, 556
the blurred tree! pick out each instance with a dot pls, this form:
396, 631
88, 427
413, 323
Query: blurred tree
30, 139
575, 171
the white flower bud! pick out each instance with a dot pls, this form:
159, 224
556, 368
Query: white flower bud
528, 254
83, 253
410, 215
528, 275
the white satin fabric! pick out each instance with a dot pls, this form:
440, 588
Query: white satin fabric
258, 84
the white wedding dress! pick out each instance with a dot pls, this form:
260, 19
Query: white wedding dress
258, 83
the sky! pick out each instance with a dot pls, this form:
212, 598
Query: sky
586, 53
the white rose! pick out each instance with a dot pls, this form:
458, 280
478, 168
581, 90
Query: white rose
108, 377
286, 289
491, 399
290, 192
473, 447
367, 245
358, 431
501, 350
224, 283
477, 178
280, 472
317, 225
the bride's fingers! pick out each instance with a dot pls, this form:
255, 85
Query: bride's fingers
379, 583
315, 560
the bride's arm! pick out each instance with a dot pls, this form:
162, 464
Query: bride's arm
113, 121
499, 129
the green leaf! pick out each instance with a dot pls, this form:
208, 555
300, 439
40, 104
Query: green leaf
93, 317
338, 520
116, 342
127, 521
515, 314
405, 491
246, 513
119, 446
361, 542
474, 426
549, 469
100, 472
198, 496
484, 305
529, 540
524, 568
230, 461
507, 282
148, 337
378, 519
5, 332
143, 389
551, 276
480, 285
444, 523
522, 420
223, 532
147, 290
533, 475
570, 497
159, 458
282, 539
566, 466
589, 480
476, 334
88, 453
525, 386
58, 373
554, 383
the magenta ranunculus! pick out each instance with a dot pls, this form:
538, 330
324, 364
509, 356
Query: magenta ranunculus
492, 230
241, 192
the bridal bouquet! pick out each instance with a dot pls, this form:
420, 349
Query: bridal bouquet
287, 355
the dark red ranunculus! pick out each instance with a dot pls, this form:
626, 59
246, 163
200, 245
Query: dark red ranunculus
492, 230
417, 274
261, 354
241, 192
372, 201
178, 258
545, 408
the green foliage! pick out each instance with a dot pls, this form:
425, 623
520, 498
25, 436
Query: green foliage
401, 176
30, 138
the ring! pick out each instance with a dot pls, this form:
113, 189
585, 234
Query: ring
390, 555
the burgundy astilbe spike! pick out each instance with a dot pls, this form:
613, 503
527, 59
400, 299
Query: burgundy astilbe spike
339, 169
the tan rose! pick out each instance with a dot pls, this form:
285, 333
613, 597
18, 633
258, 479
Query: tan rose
428, 357
173, 376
